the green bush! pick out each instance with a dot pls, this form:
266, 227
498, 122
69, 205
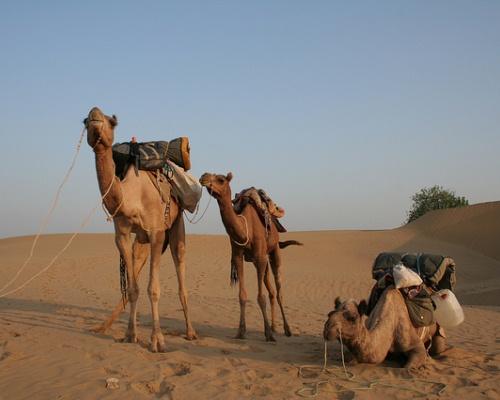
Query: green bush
434, 198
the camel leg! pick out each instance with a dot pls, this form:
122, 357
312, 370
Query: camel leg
275, 260
438, 345
261, 299
123, 242
237, 261
272, 298
177, 238
156, 238
140, 255
416, 356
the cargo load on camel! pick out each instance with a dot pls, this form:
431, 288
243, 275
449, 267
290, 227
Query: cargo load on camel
151, 156
166, 163
428, 280
268, 210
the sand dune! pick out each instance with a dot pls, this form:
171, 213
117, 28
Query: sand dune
47, 351
475, 227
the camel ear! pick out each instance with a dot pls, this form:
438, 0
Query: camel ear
85, 121
338, 303
113, 121
363, 307
229, 176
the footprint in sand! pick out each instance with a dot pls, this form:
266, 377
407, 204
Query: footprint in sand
264, 375
183, 369
161, 389
4, 353
222, 373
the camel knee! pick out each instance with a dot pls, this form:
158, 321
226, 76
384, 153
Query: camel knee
178, 251
133, 293
154, 294
272, 297
262, 301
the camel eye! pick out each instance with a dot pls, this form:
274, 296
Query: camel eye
220, 179
349, 317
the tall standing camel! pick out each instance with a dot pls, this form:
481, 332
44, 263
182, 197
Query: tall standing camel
250, 240
136, 207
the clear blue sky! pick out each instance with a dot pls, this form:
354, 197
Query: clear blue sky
340, 110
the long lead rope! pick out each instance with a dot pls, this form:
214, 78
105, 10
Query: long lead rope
83, 224
47, 218
312, 388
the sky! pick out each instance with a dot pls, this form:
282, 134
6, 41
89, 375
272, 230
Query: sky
341, 111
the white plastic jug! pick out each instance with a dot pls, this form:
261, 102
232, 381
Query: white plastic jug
448, 311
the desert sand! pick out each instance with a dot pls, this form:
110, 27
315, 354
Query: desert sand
48, 352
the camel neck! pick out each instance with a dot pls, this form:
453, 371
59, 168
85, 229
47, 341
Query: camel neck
232, 223
365, 345
105, 168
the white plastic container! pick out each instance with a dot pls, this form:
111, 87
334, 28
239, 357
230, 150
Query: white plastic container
448, 311
405, 277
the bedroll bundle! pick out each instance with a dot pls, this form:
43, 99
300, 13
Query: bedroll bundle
151, 156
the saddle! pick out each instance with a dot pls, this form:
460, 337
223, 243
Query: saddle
266, 208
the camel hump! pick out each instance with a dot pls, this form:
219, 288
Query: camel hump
287, 243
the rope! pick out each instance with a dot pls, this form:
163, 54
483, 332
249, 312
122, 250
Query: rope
109, 216
123, 280
246, 227
46, 220
192, 220
82, 225
312, 388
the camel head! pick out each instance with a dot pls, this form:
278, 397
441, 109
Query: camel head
100, 129
217, 185
345, 318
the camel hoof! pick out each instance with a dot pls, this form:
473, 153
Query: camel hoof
157, 342
288, 332
191, 336
158, 348
438, 345
131, 338
270, 338
240, 336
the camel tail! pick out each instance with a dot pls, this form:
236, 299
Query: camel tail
287, 243
165, 243
234, 275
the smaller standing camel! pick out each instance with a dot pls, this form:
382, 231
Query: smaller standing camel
249, 240
137, 207
388, 329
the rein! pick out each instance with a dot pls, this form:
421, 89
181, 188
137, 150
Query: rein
246, 228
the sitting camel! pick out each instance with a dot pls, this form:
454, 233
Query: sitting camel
388, 329
250, 241
136, 206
